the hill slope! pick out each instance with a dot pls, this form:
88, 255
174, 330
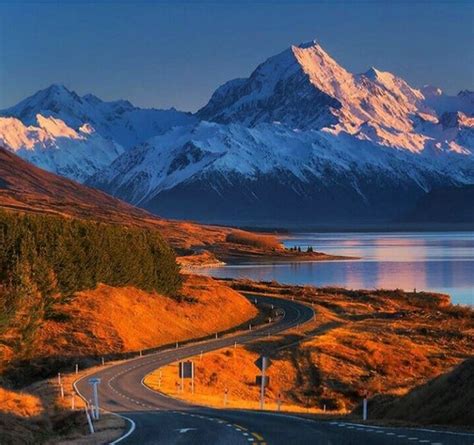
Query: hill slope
24, 187
442, 401
445, 205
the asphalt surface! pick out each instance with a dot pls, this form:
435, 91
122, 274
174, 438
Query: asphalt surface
154, 418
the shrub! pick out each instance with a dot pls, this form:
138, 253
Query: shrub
253, 240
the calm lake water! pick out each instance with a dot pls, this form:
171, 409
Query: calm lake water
441, 262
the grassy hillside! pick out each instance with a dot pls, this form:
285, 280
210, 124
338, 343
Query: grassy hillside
26, 188
445, 400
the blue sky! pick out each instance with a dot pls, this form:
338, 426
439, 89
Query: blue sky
176, 53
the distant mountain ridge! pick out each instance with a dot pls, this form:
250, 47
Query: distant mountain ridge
119, 120
301, 140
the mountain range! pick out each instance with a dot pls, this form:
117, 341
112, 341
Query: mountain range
300, 141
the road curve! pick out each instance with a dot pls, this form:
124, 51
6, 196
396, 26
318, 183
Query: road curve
158, 419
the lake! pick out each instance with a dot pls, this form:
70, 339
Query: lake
436, 261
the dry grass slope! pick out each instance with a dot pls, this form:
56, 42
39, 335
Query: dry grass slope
253, 240
445, 400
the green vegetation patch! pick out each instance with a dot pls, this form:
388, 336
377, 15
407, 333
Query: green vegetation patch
44, 260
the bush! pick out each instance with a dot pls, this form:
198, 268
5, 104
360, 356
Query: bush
253, 240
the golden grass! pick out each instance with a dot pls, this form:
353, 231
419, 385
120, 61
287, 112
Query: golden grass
232, 369
19, 403
251, 239
39, 414
110, 320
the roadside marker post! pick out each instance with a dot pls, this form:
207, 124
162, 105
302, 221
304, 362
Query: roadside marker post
364, 408
262, 363
77, 369
61, 390
103, 361
200, 356
89, 421
141, 353
176, 345
250, 327
216, 335
94, 381
235, 344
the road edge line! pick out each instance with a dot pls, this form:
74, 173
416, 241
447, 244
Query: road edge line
132, 423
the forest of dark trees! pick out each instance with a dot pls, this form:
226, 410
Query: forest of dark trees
44, 260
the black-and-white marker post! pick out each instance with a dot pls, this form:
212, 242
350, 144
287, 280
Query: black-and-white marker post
364, 407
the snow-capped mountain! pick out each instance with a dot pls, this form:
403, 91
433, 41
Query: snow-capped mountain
58, 148
303, 87
302, 140
270, 173
119, 120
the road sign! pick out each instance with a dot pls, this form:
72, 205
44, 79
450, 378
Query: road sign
186, 370
263, 362
266, 380
94, 381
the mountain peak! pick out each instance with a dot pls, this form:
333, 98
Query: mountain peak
310, 44
373, 73
56, 92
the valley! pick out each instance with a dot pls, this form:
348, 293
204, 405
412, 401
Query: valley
313, 212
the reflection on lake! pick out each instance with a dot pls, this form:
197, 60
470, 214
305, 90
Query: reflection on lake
441, 262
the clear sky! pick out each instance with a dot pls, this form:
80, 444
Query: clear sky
175, 53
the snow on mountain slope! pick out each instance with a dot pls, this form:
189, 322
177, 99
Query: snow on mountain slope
53, 146
303, 87
224, 171
302, 139
118, 120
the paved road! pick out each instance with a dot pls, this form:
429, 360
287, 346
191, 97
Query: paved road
158, 419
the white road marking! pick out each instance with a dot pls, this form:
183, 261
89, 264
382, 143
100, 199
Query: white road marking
185, 430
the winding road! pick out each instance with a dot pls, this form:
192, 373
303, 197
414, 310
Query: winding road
157, 419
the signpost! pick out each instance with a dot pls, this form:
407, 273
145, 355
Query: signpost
94, 381
259, 378
186, 371
262, 363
